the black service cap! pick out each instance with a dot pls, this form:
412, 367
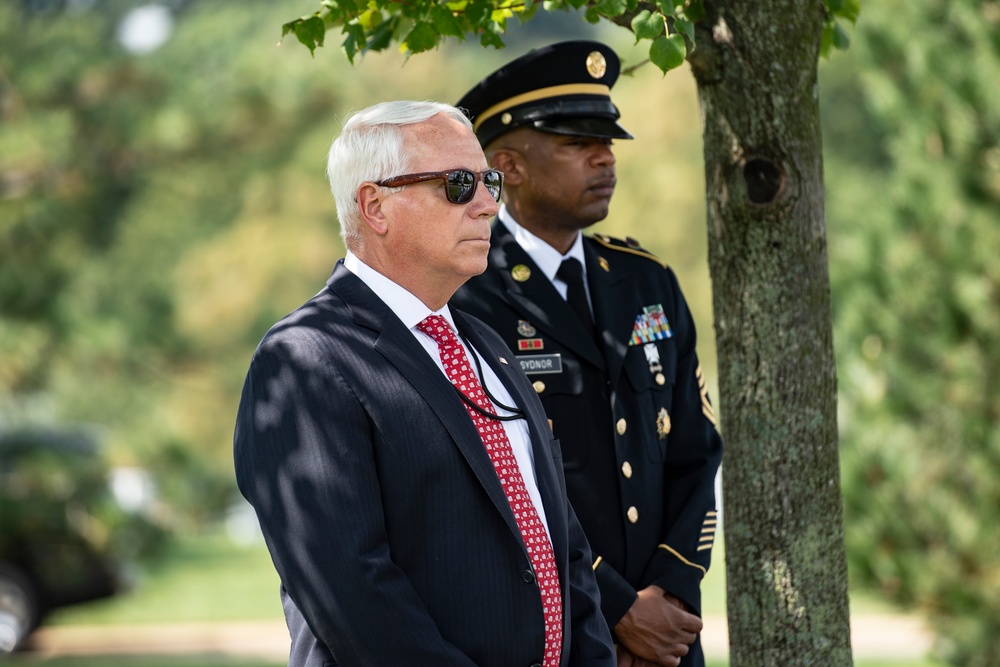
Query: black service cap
563, 88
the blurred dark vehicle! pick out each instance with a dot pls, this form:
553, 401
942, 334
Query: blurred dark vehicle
62, 534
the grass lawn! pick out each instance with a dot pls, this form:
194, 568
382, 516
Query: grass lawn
201, 578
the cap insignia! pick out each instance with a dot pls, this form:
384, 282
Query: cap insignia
596, 64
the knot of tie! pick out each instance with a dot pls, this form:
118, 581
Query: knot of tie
571, 273
439, 329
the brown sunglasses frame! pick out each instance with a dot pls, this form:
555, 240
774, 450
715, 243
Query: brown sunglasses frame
410, 179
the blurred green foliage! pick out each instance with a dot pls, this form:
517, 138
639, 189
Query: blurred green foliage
912, 123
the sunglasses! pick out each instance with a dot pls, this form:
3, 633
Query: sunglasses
460, 184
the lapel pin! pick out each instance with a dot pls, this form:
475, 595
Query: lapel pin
520, 273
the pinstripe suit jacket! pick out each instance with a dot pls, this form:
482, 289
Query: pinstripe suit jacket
380, 507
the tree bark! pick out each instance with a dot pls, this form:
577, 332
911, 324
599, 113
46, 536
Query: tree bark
756, 70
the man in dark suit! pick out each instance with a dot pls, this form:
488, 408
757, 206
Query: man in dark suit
401, 466
604, 332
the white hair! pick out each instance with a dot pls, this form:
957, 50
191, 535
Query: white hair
370, 148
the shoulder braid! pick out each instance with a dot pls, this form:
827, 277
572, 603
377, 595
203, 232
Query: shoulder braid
628, 245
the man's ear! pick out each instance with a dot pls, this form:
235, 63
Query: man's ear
511, 163
370, 201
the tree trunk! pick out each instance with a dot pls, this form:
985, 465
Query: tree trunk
756, 69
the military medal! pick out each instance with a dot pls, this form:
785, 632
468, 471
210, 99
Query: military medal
655, 367
662, 424
651, 324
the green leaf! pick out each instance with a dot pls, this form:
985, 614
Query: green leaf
647, 25
685, 27
490, 38
846, 9
529, 11
445, 22
611, 8
478, 13
354, 40
369, 19
841, 40
380, 38
310, 31
423, 37
851, 10
668, 53
826, 41
666, 7
695, 11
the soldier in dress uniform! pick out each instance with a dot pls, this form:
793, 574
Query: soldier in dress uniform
602, 329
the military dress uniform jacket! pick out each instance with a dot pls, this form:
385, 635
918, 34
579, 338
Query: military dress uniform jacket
385, 518
629, 407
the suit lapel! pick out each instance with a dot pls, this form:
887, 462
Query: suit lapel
537, 299
396, 343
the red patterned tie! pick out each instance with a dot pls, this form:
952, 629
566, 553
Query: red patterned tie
456, 366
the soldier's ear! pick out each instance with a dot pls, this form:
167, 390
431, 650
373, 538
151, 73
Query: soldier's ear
511, 163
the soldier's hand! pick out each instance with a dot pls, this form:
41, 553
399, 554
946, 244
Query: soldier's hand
627, 659
658, 628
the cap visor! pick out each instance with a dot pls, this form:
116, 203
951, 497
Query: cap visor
601, 128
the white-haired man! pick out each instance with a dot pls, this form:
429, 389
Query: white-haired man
401, 465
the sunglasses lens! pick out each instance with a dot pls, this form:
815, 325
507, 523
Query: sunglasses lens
460, 186
493, 182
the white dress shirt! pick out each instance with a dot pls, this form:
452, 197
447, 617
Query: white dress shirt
545, 256
412, 312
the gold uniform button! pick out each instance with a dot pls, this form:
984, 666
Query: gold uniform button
539, 386
627, 470
621, 426
633, 514
660, 379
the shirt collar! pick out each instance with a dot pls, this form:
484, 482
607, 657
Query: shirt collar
401, 302
542, 254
